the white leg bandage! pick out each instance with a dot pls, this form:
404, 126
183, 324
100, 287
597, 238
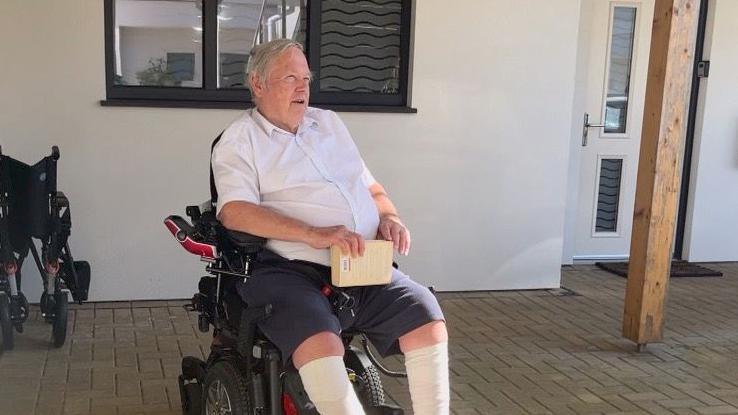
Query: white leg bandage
427, 376
328, 386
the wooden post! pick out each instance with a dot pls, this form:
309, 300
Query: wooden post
662, 140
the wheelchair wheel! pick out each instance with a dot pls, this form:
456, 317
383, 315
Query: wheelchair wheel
59, 328
47, 307
225, 391
368, 386
19, 311
6, 325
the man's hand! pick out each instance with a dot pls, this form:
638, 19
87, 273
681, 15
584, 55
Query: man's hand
325, 237
392, 229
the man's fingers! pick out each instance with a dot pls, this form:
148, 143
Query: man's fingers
362, 245
355, 245
403, 242
384, 229
353, 241
358, 244
408, 241
345, 247
395, 230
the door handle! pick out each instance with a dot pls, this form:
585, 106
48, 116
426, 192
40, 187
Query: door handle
586, 127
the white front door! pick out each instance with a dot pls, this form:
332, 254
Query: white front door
619, 43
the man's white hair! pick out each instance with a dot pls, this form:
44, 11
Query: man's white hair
262, 56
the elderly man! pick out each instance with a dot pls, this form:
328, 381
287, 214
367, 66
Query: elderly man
292, 174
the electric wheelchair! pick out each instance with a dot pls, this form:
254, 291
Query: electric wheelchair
31, 207
244, 373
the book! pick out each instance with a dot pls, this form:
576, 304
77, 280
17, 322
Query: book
373, 268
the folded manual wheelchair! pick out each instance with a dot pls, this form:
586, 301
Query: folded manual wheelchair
244, 373
31, 207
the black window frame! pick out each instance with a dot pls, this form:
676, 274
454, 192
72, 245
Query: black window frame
210, 96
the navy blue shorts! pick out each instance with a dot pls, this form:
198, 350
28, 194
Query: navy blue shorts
299, 310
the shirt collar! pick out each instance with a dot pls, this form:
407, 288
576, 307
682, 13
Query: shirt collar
269, 128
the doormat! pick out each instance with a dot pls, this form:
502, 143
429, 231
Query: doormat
678, 269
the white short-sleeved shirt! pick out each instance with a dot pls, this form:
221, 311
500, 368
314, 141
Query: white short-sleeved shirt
316, 176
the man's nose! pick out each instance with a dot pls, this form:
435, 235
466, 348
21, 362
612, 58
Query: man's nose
303, 84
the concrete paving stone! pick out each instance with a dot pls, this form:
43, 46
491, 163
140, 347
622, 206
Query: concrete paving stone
103, 410
127, 385
132, 401
18, 405
52, 409
154, 394
721, 409
76, 406
685, 411
680, 403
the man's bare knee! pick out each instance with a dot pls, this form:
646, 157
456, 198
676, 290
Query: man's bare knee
319, 345
423, 336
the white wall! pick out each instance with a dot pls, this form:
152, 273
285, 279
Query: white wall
479, 173
579, 106
712, 225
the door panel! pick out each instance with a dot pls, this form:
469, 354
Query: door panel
620, 35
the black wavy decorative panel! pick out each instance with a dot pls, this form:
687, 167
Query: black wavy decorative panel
360, 46
608, 195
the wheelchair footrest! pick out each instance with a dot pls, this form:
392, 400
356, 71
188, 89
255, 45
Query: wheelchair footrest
190, 385
80, 285
193, 369
191, 395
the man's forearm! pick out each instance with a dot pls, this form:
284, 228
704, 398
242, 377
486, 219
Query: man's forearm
391, 227
382, 200
260, 221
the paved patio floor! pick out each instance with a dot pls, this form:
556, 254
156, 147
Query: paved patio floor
521, 352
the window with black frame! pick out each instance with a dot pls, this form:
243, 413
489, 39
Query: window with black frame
193, 53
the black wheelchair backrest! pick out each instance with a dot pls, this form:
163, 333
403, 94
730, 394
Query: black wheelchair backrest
213, 189
28, 190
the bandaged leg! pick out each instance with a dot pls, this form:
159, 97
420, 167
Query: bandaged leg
328, 386
427, 376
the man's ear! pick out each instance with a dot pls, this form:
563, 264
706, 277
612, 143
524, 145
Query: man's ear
257, 86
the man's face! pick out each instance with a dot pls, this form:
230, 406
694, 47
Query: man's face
283, 97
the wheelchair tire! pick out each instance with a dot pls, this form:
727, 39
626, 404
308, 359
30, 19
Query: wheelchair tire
6, 324
59, 328
225, 391
24, 310
369, 387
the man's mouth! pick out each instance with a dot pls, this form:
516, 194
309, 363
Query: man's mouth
298, 101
